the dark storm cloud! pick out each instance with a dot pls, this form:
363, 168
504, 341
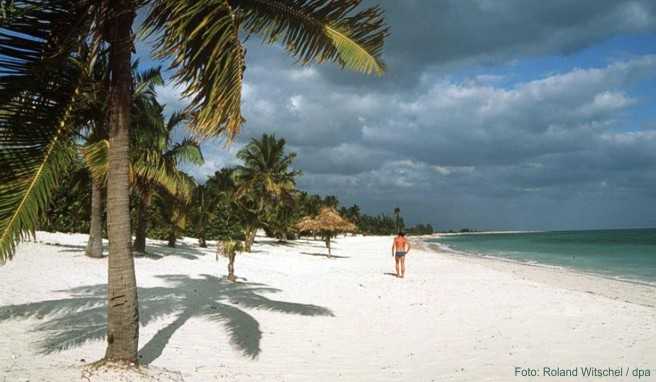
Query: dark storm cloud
447, 34
557, 151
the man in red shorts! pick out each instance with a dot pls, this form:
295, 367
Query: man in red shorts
400, 248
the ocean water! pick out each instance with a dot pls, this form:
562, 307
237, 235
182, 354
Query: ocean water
628, 254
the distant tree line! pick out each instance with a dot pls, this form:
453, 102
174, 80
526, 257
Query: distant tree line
421, 229
232, 204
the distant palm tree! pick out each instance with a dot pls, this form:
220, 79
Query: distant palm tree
202, 208
158, 158
264, 181
330, 201
40, 86
173, 213
354, 214
397, 214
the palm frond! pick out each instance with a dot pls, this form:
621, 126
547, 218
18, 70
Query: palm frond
39, 83
157, 169
175, 120
96, 159
208, 59
187, 150
147, 80
320, 30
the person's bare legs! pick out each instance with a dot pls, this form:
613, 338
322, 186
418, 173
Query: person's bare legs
402, 265
397, 259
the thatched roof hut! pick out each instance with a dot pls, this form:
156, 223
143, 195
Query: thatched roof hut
328, 222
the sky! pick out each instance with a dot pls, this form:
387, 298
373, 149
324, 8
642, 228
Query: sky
513, 114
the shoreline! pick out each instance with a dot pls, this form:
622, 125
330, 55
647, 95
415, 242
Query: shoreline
438, 247
632, 291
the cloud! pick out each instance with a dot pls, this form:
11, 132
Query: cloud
545, 137
458, 137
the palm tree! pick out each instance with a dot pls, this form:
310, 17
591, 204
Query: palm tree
154, 159
172, 212
226, 218
92, 112
94, 151
279, 222
330, 201
264, 181
40, 86
397, 212
202, 208
158, 159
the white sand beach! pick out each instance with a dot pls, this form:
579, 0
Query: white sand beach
296, 315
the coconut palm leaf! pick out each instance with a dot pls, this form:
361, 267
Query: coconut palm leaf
320, 30
159, 170
208, 59
146, 80
95, 159
39, 82
158, 161
187, 150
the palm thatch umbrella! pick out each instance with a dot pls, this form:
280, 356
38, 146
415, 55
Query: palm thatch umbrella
328, 223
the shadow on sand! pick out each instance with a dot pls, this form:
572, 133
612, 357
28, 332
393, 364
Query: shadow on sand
153, 251
72, 321
324, 255
183, 250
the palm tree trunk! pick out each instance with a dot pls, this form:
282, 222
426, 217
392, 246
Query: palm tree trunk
397, 222
172, 238
231, 266
94, 246
122, 302
250, 238
139, 246
201, 239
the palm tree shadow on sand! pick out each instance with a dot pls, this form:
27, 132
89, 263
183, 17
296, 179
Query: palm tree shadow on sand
73, 321
318, 254
153, 251
183, 250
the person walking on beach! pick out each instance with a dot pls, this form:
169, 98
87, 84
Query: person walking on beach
400, 248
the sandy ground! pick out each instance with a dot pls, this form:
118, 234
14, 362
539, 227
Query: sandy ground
296, 315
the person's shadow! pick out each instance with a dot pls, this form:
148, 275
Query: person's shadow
73, 321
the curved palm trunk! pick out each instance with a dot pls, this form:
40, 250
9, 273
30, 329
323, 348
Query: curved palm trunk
94, 246
122, 304
139, 246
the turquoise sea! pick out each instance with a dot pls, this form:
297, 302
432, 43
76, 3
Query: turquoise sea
628, 254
